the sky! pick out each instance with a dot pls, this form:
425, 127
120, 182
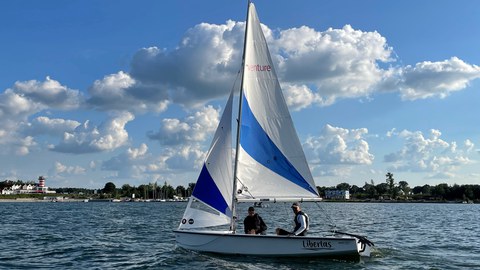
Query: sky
131, 92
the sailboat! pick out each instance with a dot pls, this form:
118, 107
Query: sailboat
269, 165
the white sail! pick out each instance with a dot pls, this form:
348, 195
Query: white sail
270, 164
211, 201
271, 161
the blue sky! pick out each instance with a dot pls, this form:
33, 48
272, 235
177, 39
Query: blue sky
131, 91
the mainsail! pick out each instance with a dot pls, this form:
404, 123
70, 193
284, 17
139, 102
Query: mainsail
271, 162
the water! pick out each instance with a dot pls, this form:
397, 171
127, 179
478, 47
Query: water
139, 236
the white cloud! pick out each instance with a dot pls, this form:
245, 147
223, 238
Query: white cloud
315, 68
23, 100
202, 67
50, 126
110, 135
137, 163
337, 145
337, 63
436, 79
180, 158
23, 145
49, 93
194, 128
64, 170
130, 164
121, 92
300, 96
469, 145
427, 153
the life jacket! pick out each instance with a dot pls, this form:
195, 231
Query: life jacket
298, 225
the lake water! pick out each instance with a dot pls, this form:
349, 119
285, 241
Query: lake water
139, 236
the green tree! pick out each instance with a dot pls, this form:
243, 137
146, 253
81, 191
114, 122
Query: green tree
143, 191
109, 188
370, 190
469, 192
180, 191
191, 187
403, 185
168, 191
382, 189
426, 190
127, 190
355, 189
391, 184
440, 191
343, 186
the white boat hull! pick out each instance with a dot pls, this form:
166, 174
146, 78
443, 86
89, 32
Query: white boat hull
271, 245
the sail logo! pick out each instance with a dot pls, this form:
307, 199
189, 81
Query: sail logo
309, 244
257, 67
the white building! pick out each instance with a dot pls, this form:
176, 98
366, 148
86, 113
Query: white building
337, 194
28, 188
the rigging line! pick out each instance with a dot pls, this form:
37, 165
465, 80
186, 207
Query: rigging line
330, 221
287, 213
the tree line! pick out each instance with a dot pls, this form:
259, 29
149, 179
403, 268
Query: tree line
148, 191
390, 190
386, 190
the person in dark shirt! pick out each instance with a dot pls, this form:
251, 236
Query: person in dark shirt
301, 223
253, 223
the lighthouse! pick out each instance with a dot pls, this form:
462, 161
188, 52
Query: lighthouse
41, 184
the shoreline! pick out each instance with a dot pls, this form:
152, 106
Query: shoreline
35, 200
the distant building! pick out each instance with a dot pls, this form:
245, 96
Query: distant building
337, 194
28, 188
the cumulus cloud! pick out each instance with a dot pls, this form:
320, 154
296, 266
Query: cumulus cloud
110, 135
130, 164
185, 157
26, 98
300, 96
121, 92
194, 128
138, 163
183, 147
469, 145
61, 169
436, 79
429, 153
22, 145
50, 126
337, 145
314, 67
46, 94
202, 67
337, 63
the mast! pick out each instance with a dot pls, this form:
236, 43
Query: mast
237, 144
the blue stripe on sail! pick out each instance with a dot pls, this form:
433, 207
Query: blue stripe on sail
256, 142
207, 191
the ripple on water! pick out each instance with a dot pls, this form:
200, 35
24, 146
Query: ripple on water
139, 236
